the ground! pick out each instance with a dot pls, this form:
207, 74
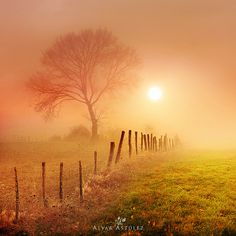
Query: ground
182, 192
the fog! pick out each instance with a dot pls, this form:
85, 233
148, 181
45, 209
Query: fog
187, 49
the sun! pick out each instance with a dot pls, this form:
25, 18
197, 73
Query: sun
154, 93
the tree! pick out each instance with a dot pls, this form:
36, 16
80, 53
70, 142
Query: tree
81, 67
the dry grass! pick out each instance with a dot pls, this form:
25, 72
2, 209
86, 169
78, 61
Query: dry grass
69, 216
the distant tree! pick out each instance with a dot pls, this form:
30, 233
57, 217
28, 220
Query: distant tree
78, 132
81, 67
55, 138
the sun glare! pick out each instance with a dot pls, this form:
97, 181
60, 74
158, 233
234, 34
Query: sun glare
154, 93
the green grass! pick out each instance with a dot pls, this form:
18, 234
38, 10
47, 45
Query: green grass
190, 194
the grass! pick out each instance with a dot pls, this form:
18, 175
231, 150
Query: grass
190, 194
182, 193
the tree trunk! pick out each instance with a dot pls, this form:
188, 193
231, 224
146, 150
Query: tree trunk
93, 121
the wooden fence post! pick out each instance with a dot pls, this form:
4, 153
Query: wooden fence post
136, 142
80, 183
151, 142
160, 144
154, 143
130, 144
61, 182
43, 184
120, 146
112, 148
17, 197
165, 142
145, 142
148, 142
95, 162
173, 144
141, 141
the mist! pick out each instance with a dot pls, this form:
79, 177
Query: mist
187, 49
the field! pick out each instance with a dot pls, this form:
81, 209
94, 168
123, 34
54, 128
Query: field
191, 193
183, 192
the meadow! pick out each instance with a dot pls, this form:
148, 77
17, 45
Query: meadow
185, 193
182, 192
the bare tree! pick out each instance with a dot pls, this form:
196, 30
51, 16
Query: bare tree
81, 67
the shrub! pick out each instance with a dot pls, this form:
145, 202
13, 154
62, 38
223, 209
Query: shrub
78, 133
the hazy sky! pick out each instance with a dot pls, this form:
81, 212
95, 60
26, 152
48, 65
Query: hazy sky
188, 49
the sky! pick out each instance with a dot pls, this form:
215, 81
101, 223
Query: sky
187, 48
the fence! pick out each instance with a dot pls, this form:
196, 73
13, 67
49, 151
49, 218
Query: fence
148, 143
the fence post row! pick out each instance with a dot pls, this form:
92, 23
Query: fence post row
148, 142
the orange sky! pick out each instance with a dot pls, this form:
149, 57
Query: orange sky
187, 47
